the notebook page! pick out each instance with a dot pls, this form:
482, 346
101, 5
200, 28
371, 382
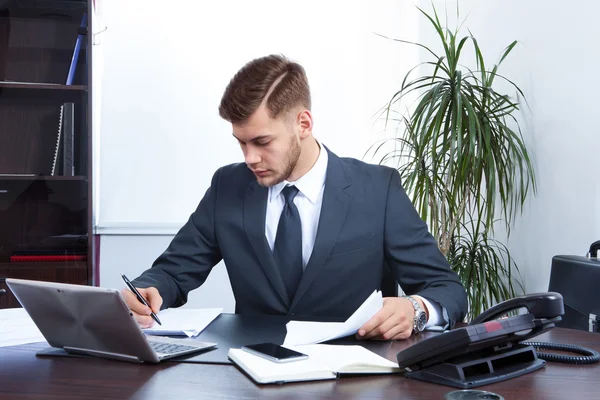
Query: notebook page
17, 327
351, 358
183, 321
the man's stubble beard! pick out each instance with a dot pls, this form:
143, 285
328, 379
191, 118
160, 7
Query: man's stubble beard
290, 162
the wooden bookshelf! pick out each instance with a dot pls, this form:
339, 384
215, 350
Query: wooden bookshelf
40, 177
53, 272
45, 154
28, 267
40, 86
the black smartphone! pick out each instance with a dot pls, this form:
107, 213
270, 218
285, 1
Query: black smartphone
274, 352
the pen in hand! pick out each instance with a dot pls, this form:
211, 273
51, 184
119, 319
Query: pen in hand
140, 298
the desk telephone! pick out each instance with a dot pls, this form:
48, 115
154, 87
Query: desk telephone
492, 349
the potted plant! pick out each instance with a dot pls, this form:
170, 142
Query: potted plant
462, 160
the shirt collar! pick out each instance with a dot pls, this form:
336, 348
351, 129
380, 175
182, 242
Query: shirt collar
311, 183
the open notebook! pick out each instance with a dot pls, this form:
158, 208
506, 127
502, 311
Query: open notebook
325, 361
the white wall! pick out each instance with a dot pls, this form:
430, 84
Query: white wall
165, 70
352, 73
167, 67
132, 254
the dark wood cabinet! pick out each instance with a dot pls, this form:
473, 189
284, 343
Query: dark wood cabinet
45, 142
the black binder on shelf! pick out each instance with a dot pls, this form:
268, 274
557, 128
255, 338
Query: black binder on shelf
68, 139
64, 152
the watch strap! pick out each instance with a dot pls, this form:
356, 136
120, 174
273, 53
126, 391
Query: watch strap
418, 309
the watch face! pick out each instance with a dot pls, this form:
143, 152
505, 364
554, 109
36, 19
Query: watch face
421, 321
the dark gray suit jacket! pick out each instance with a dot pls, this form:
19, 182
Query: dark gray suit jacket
366, 221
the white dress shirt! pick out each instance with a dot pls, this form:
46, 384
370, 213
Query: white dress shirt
308, 201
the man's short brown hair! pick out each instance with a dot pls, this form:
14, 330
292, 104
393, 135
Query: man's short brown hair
278, 82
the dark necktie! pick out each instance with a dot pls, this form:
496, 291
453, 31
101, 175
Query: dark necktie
288, 243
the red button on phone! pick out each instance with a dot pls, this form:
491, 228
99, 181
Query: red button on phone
492, 326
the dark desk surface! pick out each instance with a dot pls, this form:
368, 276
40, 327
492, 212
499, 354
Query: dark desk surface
25, 376
235, 330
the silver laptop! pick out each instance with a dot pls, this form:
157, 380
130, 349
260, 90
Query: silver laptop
94, 321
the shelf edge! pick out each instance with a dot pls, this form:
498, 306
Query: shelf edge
137, 228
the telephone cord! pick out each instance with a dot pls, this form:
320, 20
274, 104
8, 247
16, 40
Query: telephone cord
588, 356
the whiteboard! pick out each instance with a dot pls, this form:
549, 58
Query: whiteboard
165, 66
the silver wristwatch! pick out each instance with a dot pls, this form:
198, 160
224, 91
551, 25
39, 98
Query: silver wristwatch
420, 318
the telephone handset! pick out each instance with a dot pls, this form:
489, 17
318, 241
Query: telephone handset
491, 349
545, 307
548, 305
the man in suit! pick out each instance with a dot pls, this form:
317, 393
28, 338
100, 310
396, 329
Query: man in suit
303, 232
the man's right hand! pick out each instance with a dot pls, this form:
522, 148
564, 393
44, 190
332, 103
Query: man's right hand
140, 311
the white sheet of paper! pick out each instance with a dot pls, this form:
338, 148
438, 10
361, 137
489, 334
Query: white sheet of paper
183, 321
17, 327
309, 332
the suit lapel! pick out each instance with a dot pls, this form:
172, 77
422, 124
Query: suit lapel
334, 209
255, 209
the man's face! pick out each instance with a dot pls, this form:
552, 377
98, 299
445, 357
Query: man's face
271, 147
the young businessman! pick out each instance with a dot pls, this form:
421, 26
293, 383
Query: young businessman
302, 232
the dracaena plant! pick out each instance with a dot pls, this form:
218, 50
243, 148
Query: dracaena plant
462, 159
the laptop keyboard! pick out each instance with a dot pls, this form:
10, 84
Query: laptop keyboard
170, 348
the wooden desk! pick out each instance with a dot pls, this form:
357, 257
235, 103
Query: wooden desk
25, 376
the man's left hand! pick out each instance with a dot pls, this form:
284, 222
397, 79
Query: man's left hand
393, 322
